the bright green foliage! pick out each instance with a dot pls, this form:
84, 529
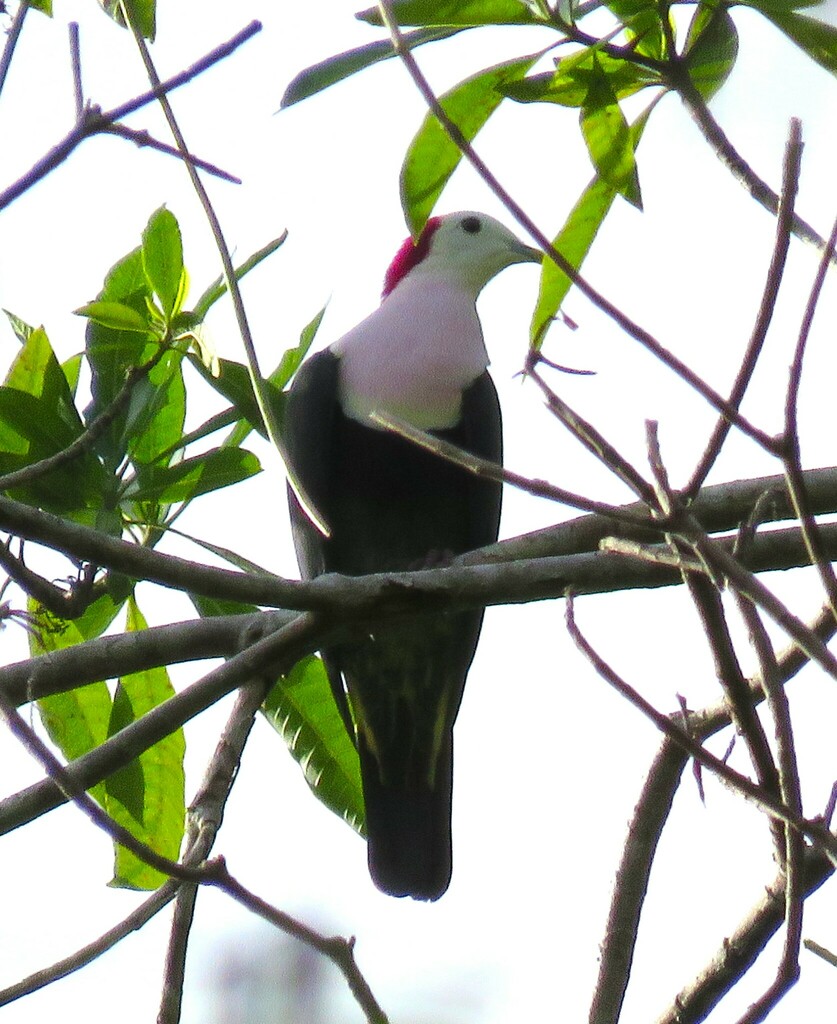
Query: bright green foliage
143, 14
712, 48
605, 131
130, 473
147, 796
573, 242
594, 69
456, 12
314, 79
76, 721
433, 156
302, 710
162, 262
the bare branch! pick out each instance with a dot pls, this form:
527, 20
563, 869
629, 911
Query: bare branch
93, 120
790, 184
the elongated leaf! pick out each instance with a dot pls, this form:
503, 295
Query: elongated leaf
711, 50
233, 382
605, 131
292, 357
209, 606
76, 721
432, 157
20, 327
162, 259
158, 411
148, 795
218, 468
38, 419
569, 84
301, 708
456, 12
815, 38
116, 316
779, 6
343, 65
574, 241
143, 13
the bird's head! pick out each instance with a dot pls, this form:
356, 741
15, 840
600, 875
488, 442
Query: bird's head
465, 249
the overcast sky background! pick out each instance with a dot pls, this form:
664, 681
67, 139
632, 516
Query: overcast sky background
549, 762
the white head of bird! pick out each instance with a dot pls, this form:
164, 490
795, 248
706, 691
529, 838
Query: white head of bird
414, 355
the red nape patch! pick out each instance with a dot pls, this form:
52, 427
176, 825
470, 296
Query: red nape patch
409, 256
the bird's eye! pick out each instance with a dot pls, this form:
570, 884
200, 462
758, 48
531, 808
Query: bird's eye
471, 224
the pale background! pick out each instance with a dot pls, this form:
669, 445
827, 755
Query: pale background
549, 761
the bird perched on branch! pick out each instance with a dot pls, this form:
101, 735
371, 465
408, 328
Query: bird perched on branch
389, 505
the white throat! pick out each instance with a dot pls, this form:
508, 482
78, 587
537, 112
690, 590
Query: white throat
414, 356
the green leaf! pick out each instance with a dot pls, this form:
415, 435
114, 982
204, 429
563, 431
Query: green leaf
814, 37
141, 12
72, 368
569, 84
432, 157
233, 382
301, 708
456, 12
38, 419
20, 327
778, 6
574, 241
44, 6
116, 316
76, 721
643, 25
711, 49
292, 357
606, 133
219, 287
162, 259
158, 410
185, 480
147, 796
209, 606
343, 65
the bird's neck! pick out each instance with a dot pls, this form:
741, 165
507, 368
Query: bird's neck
414, 356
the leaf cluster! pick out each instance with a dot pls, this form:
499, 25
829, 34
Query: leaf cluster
646, 51
122, 464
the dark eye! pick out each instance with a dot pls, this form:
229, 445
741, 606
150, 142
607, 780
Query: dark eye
471, 224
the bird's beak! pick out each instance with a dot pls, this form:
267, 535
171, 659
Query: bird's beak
526, 254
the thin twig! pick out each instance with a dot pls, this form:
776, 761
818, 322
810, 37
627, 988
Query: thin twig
790, 184
12, 40
75, 64
276, 653
591, 438
729, 156
94, 120
792, 859
739, 783
646, 828
205, 816
790, 437
339, 950
488, 470
257, 381
142, 138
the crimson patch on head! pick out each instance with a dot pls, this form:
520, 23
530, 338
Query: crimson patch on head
409, 255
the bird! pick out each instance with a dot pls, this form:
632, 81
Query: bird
389, 505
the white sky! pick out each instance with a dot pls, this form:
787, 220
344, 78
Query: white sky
549, 762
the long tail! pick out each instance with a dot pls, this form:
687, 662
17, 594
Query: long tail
409, 830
